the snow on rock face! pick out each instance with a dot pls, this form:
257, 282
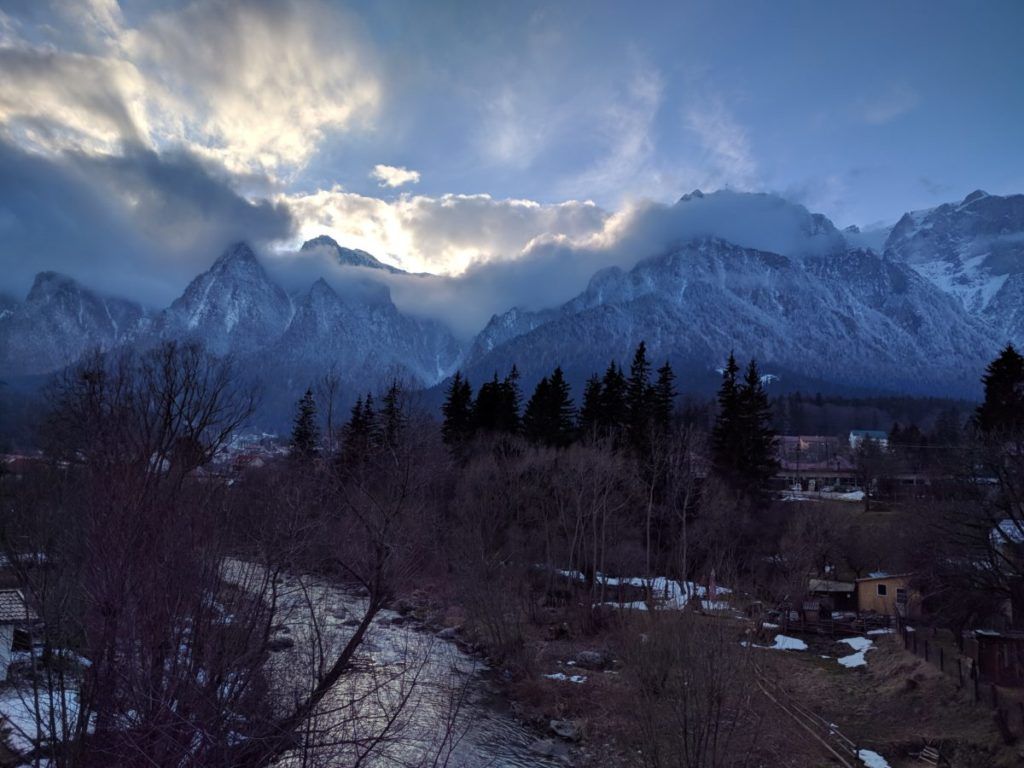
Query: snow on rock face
972, 250
59, 321
233, 307
349, 256
362, 331
691, 305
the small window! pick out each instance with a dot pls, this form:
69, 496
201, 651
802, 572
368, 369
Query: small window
901, 596
883, 590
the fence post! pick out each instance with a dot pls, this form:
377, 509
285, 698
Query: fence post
995, 696
974, 674
926, 651
942, 659
960, 672
915, 643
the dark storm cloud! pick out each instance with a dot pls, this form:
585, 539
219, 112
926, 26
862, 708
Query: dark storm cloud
139, 224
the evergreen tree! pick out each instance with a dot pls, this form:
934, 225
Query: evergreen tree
614, 412
550, 415
663, 398
638, 396
393, 416
487, 406
305, 442
510, 402
726, 436
758, 438
535, 417
359, 435
458, 412
591, 416
1002, 412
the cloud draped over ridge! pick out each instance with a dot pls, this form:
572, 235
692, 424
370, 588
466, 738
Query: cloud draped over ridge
549, 269
439, 234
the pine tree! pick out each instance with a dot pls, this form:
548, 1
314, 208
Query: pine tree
1002, 412
393, 416
726, 435
663, 398
591, 411
563, 411
535, 419
485, 408
508, 411
614, 413
550, 416
305, 442
638, 397
758, 438
458, 412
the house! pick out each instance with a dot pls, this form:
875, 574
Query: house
1000, 657
813, 462
889, 595
14, 613
858, 436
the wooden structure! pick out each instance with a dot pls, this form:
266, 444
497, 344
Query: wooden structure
888, 594
1000, 657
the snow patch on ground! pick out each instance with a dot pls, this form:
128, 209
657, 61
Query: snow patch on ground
666, 594
872, 759
18, 716
782, 643
561, 676
859, 644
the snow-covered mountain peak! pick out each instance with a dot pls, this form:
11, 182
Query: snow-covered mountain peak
977, 194
351, 257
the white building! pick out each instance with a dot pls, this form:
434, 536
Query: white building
858, 436
14, 612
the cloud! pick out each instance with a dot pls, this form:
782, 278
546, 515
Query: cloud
727, 151
625, 167
139, 225
895, 101
394, 176
438, 234
576, 241
51, 100
255, 85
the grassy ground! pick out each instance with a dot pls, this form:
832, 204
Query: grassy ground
895, 704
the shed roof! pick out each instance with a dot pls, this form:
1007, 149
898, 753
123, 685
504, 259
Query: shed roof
826, 585
882, 575
13, 608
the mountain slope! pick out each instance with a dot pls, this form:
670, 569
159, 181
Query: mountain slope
58, 322
852, 318
233, 307
362, 336
972, 250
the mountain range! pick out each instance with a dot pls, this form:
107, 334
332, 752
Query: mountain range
922, 314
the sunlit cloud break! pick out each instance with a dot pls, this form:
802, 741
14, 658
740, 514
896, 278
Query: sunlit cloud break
394, 176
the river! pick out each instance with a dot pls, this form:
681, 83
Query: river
437, 705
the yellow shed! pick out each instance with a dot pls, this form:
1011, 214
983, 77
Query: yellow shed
889, 594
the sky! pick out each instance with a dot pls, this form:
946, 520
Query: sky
138, 138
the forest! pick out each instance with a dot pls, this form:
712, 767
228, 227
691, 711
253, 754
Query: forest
182, 608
